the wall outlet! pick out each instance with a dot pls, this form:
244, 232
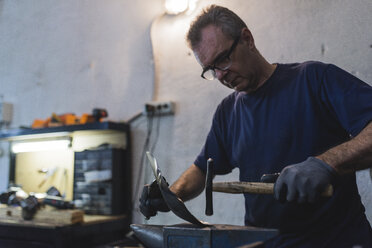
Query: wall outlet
157, 108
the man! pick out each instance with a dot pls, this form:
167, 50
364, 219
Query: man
310, 121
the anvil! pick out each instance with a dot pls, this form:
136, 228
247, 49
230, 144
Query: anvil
212, 236
196, 233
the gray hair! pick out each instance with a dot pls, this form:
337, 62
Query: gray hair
230, 24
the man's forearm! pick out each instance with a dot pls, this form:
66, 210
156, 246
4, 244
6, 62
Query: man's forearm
190, 184
352, 155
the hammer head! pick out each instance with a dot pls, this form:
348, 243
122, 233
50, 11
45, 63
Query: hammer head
209, 189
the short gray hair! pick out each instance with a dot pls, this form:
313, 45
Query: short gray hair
230, 24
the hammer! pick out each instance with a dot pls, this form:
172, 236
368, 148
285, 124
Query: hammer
242, 187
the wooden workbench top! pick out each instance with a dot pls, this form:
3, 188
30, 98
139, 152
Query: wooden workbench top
52, 217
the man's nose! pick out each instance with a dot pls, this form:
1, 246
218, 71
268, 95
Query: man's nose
220, 74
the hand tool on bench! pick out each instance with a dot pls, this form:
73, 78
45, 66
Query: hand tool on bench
49, 172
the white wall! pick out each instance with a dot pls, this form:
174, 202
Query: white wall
72, 56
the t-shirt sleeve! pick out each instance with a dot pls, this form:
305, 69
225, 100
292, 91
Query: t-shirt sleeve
214, 148
348, 98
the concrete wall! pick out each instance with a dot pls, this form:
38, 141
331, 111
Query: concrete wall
72, 56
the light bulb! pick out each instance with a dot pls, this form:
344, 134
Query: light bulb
175, 7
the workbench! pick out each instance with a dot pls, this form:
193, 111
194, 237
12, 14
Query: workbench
24, 167
95, 230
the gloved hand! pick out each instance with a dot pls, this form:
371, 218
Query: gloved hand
151, 200
303, 182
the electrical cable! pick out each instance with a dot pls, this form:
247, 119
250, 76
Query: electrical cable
147, 147
143, 154
156, 135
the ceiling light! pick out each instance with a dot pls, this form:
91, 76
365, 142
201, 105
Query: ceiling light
175, 7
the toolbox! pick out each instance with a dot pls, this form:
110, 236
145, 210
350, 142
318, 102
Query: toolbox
101, 181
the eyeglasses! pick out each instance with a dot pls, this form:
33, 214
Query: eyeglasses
222, 63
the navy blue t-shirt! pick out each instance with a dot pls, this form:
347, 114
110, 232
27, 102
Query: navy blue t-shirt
302, 110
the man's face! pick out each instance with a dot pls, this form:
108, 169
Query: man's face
242, 75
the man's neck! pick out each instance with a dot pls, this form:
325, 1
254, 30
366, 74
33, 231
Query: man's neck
266, 72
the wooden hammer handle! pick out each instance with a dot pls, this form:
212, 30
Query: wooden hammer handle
254, 188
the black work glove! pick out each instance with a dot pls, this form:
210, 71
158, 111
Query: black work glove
151, 200
303, 182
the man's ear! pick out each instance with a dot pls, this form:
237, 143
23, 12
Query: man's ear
247, 37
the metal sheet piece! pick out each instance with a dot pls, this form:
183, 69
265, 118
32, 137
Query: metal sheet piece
174, 203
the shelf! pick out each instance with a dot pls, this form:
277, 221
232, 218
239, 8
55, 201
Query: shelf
25, 164
15, 134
